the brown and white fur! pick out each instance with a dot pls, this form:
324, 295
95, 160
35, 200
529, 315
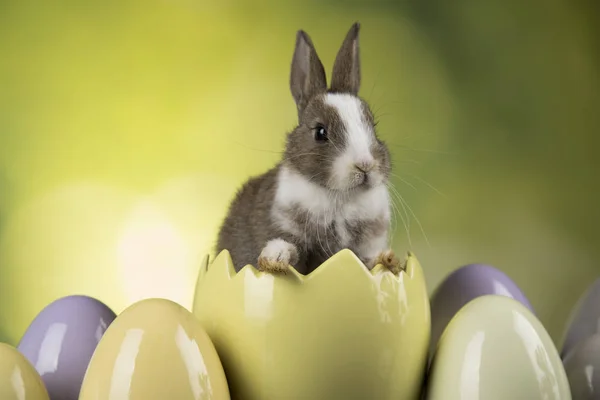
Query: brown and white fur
329, 191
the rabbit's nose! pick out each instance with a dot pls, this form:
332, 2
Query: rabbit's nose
364, 166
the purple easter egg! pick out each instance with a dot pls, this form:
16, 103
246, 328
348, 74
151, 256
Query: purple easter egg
582, 364
464, 285
584, 319
60, 342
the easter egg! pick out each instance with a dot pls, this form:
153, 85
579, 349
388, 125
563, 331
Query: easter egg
582, 365
464, 285
155, 349
584, 319
340, 332
18, 379
61, 339
496, 349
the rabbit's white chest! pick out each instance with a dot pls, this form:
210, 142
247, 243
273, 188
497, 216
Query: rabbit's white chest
305, 209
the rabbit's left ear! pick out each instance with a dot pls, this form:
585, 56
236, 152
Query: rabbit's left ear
308, 75
346, 69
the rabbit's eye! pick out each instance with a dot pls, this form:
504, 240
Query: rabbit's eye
320, 134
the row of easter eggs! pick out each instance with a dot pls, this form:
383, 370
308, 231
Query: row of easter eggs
154, 349
486, 344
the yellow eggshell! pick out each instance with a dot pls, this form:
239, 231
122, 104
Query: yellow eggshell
18, 379
496, 349
155, 349
341, 332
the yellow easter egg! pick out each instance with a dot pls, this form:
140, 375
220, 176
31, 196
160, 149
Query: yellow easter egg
155, 349
494, 348
341, 332
18, 379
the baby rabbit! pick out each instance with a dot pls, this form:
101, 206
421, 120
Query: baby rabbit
329, 190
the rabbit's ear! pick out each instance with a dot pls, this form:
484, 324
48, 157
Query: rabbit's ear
346, 69
308, 75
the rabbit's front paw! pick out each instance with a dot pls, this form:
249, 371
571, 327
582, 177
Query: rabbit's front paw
389, 260
277, 256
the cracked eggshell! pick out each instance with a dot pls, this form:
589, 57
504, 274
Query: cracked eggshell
155, 349
340, 332
496, 349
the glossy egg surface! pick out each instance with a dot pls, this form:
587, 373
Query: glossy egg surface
18, 379
584, 319
496, 349
155, 349
61, 339
462, 286
582, 365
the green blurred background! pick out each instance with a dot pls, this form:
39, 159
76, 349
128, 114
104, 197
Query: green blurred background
126, 127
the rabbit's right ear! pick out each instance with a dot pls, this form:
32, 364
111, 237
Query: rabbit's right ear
308, 75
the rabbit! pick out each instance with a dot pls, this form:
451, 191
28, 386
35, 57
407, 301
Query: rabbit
328, 192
